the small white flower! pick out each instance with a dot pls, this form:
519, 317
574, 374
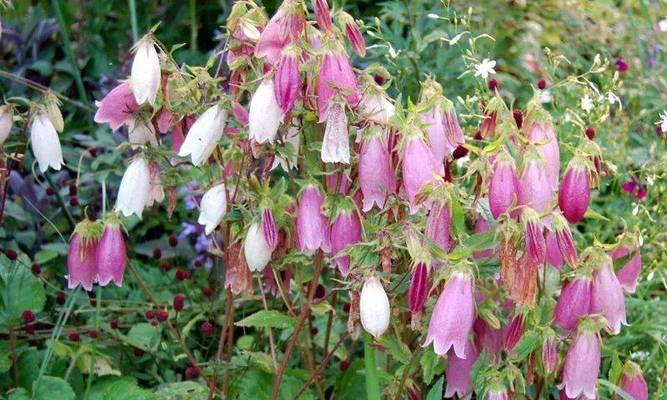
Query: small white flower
145, 74
663, 122
255, 249
335, 143
587, 104
45, 143
612, 98
485, 68
374, 307
204, 135
140, 132
213, 208
135, 188
265, 115
6, 122
662, 25
545, 96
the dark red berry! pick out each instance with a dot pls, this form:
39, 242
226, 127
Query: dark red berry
27, 316
157, 253
542, 83
29, 329
74, 336
344, 365
150, 314
93, 334
93, 151
493, 85
478, 135
621, 65
206, 328
207, 291
50, 191
320, 291
162, 315
379, 79
154, 322
460, 152
179, 302
164, 264
73, 201
11, 254
36, 269
590, 132
72, 189
60, 298
658, 130
182, 274
314, 331
93, 302
173, 241
198, 263
192, 373
346, 307
138, 352
114, 323
518, 118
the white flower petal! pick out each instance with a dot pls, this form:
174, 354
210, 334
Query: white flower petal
145, 74
204, 135
265, 115
45, 143
134, 189
213, 208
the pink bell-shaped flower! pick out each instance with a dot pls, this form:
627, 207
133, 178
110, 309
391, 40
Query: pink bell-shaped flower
488, 338
419, 286
111, 253
418, 168
82, 255
286, 25
628, 275
533, 236
544, 137
497, 392
323, 15
345, 230
535, 191
116, 107
287, 79
453, 317
550, 353
459, 379
582, 364
573, 303
269, 228
632, 381
444, 131
311, 224
503, 185
376, 176
575, 192
562, 235
336, 74
554, 257
439, 225
607, 297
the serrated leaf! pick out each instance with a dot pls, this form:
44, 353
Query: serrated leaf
399, 350
429, 361
528, 343
436, 391
144, 336
267, 319
479, 369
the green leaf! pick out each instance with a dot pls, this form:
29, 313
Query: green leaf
19, 394
52, 388
436, 391
267, 319
20, 290
458, 217
44, 256
479, 369
5, 356
372, 382
399, 350
144, 336
616, 368
615, 389
183, 390
528, 343
429, 362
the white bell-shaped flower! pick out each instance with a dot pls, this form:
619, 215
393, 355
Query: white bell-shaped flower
204, 135
135, 188
257, 252
145, 74
374, 307
6, 123
265, 114
45, 143
335, 144
213, 208
140, 132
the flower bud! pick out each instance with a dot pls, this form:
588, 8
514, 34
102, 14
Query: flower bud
514, 332
204, 135
336, 74
111, 254
287, 80
311, 224
145, 75
628, 275
574, 302
453, 317
418, 167
134, 189
82, 255
419, 286
439, 225
503, 186
353, 33
632, 381
323, 15
269, 228
550, 354
345, 231
116, 107
335, 144
459, 369
533, 236
255, 249
575, 193
607, 297
566, 246
45, 143
582, 365
374, 307
376, 176
6, 123
265, 114
213, 208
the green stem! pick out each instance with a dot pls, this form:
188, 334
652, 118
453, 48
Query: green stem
61, 202
98, 307
372, 382
193, 25
133, 20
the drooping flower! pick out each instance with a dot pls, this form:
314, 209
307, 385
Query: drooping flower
336, 75
628, 275
444, 131
534, 236
265, 114
134, 189
156, 191
6, 123
287, 79
213, 208
563, 237
582, 364
323, 15
453, 317
374, 106
554, 256
140, 132
345, 231
550, 353
497, 392
255, 249
353, 33
376, 176
335, 144
543, 136
145, 74
419, 286
45, 143
573, 303
575, 192
111, 253
82, 255
204, 135
374, 307
514, 332
269, 228
418, 167
535, 191
503, 185
459, 369
117, 106
311, 224
632, 381
488, 338
439, 225
284, 28
607, 297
